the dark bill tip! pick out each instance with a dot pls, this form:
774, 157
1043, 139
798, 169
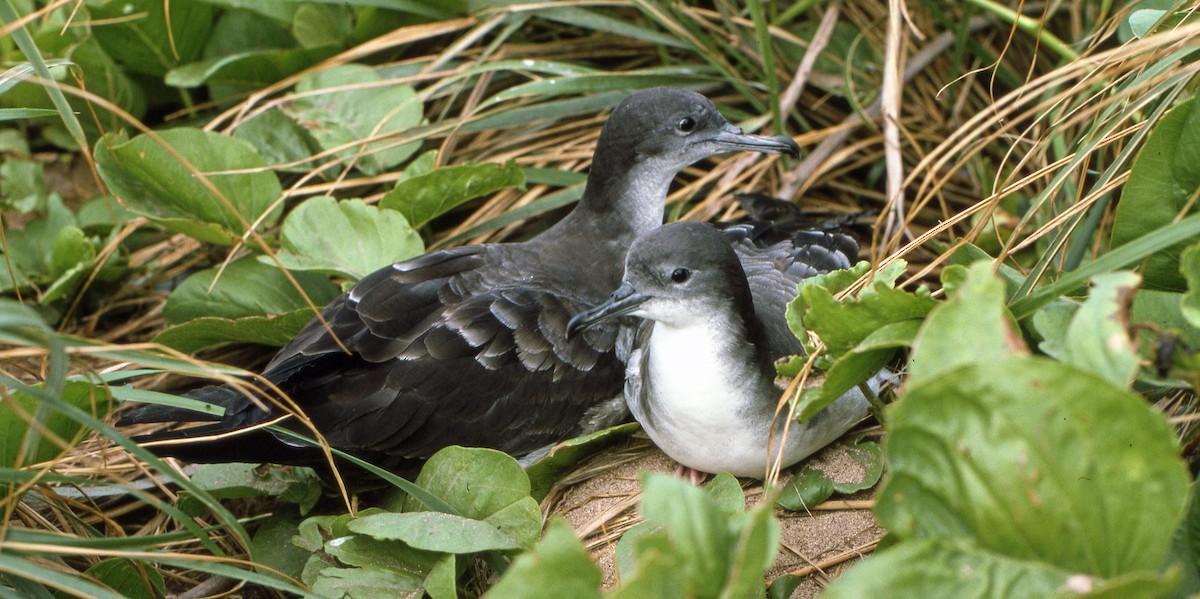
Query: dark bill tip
622, 301
733, 139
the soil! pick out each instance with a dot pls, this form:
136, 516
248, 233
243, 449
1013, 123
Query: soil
600, 501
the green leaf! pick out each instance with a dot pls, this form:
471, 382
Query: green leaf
423, 197
971, 327
145, 38
520, 521
280, 140
726, 493
1190, 268
18, 408
558, 567
206, 332
343, 115
272, 545
868, 455
648, 565
1185, 550
696, 527
441, 581
129, 578
348, 238
861, 363
70, 248
943, 568
367, 583
1098, 338
564, 456
812, 486
843, 325
752, 553
808, 488
247, 287
22, 187
153, 183
1012, 454
1162, 181
432, 531
29, 249
475, 481
227, 481
246, 70
317, 25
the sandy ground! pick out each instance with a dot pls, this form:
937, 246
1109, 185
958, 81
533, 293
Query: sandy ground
600, 501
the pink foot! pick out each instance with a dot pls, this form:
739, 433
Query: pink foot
691, 475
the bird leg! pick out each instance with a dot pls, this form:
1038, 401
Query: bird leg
691, 475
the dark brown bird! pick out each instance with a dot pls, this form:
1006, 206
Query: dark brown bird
468, 346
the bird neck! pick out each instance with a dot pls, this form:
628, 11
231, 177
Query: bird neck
624, 198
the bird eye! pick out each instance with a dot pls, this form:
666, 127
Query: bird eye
680, 275
686, 124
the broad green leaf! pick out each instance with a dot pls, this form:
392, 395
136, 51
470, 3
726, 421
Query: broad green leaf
1051, 323
1012, 454
272, 545
70, 248
859, 364
244, 70
18, 408
366, 552
844, 324
22, 187
432, 531
1190, 303
423, 197
1162, 181
726, 493
368, 583
1185, 551
564, 456
247, 287
1098, 338
348, 238
752, 553
475, 481
558, 567
135, 580
29, 249
812, 486
943, 568
696, 526
225, 481
441, 582
338, 106
154, 184
147, 39
806, 489
206, 332
521, 521
279, 140
971, 327
319, 25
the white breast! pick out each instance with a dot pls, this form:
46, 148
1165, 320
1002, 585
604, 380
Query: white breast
708, 410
